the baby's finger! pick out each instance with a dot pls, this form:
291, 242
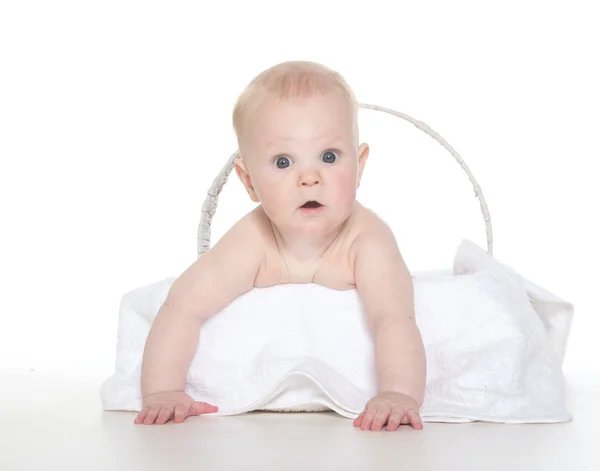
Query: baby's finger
164, 415
181, 412
152, 415
380, 418
368, 420
141, 416
359, 420
395, 420
199, 408
415, 419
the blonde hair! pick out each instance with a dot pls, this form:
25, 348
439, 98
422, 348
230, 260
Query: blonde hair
289, 80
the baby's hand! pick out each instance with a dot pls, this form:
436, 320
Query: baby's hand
391, 408
161, 407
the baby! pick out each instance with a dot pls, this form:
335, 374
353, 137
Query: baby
300, 159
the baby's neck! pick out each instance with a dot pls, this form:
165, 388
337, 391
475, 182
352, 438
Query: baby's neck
304, 248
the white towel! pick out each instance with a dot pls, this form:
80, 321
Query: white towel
494, 345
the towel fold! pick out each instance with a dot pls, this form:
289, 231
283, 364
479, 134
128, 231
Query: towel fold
494, 343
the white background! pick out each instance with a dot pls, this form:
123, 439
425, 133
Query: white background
115, 118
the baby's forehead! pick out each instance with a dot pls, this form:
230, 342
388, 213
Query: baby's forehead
268, 136
280, 117
309, 121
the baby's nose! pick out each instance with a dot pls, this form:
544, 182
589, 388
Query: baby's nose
310, 179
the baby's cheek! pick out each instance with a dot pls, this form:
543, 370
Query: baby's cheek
272, 197
345, 185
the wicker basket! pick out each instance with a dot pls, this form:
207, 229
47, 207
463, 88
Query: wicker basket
210, 203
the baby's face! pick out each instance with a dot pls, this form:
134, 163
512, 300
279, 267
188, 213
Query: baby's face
302, 151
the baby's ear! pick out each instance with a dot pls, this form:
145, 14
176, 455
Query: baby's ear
363, 155
244, 176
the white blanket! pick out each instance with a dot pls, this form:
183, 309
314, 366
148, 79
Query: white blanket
494, 345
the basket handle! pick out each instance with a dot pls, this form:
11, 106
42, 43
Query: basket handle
210, 203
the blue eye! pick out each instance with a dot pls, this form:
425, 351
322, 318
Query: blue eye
282, 162
329, 157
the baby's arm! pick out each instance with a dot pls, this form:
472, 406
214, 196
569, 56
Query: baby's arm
386, 290
220, 275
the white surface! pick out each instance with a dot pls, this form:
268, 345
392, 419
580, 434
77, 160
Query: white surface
48, 423
489, 356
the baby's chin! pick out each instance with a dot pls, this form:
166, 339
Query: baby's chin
314, 229
322, 222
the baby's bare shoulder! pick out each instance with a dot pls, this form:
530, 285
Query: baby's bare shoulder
257, 225
365, 223
254, 232
250, 229
223, 272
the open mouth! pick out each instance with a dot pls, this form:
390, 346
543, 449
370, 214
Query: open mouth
311, 205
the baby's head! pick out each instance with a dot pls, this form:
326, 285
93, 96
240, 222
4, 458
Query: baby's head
297, 131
